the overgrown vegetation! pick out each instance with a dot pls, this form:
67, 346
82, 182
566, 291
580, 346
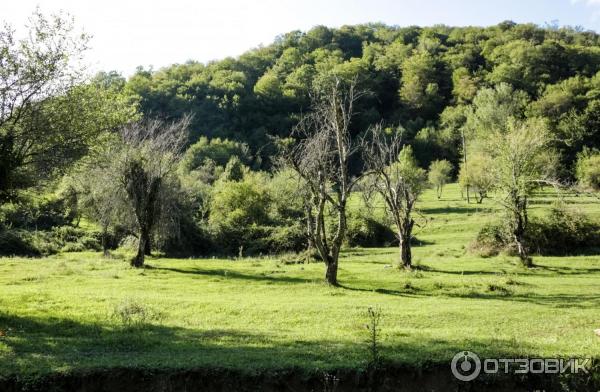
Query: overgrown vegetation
563, 231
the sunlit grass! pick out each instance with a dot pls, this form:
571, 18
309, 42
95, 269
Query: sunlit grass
58, 313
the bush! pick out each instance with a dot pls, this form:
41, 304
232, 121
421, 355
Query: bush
491, 240
368, 232
16, 243
588, 169
290, 238
19, 242
216, 150
133, 315
129, 242
562, 232
241, 240
239, 215
192, 239
31, 213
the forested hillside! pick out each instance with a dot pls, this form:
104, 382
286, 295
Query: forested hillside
424, 80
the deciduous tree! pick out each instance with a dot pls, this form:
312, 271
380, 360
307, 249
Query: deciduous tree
439, 175
145, 166
321, 158
522, 162
395, 177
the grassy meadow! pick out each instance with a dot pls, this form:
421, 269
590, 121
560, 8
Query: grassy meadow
82, 311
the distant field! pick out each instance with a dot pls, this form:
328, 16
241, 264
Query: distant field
57, 313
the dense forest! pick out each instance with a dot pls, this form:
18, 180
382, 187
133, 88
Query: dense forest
207, 158
424, 80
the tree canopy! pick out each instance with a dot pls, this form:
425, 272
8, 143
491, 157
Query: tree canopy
434, 81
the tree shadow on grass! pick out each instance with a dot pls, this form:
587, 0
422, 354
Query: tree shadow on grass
563, 270
455, 210
385, 291
275, 277
43, 345
537, 269
578, 301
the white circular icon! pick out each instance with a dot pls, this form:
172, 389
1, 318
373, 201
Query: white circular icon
466, 366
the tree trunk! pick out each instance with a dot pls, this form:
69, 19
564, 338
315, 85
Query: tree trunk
405, 252
310, 244
404, 236
438, 190
105, 251
520, 223
148, 245
331, 273
309, 250
525, 259
138, 260
519, 235
480, 197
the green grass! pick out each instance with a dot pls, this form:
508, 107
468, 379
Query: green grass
58, 313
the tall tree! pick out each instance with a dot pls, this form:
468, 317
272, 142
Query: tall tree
398, 180
321, 158
48, 117
146, 164
522, 161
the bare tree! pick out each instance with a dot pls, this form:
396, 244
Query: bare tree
397, 179
148, 160
321, 158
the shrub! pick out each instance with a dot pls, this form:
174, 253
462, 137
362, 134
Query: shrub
38, 214
16, 243
217, 150
237, 204
563, 231
234, 170
129, 242
19, 242
132, 314
192, 239
239, 215
367, 232
588, 169
290, 238
241, 240
491, 240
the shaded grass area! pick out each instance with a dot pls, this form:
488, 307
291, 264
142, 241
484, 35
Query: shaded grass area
58, 313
